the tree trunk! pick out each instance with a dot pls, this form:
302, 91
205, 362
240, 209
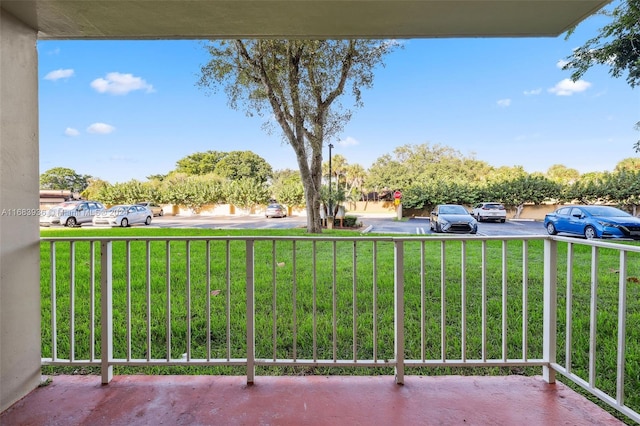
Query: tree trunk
519, 209
311, 181
312, 198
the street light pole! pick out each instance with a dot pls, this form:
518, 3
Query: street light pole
330, 173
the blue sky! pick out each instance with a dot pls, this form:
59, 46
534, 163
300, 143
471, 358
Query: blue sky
122, 110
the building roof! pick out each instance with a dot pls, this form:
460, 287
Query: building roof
180, 19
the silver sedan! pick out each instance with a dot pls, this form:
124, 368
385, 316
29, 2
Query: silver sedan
123, 215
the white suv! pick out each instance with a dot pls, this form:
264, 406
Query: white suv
489, 211
71, 213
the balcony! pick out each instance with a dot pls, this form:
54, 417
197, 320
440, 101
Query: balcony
477, 329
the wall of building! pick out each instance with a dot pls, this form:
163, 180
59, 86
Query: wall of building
19, 195
530, 211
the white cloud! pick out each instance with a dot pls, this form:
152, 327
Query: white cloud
116, 83
561, 63
504, 102
349, 141
100, 128
568, 87
58, 74
532, 92
70, 131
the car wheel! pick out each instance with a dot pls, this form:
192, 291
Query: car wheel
590, 233
148, 221
438, 227
124, 223
479, 218
551, 229
71, 222
161, 212
503, 220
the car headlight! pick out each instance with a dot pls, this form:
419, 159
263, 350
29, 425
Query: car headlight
608, 225
444, 221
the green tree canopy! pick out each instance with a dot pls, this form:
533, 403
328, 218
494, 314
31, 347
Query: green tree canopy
286, 187
628, 164
64, 178
297, 84
243, 164
419, 164
522, 189
562, 174
129, 192
200, 163
623, 188
157, 177
616, 46
246, 192
94, 188
192, 191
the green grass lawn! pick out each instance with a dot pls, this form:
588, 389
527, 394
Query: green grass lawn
288, 290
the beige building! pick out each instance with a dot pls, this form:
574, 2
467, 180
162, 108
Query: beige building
24, 22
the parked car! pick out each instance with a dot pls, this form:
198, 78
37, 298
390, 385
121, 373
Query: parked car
71, 213
275, 210
123, 215
452, 218
155, 208
489, 211
593, 222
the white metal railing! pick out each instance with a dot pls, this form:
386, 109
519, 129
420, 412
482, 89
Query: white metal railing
319, 302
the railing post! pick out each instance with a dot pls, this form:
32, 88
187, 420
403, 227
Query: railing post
251, 323
398, 301
550, 309
106, 311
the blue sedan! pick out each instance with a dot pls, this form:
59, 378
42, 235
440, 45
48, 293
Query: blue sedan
593, 222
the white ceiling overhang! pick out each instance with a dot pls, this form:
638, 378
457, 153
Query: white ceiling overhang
180, 19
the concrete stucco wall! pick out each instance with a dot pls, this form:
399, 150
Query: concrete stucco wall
19, 235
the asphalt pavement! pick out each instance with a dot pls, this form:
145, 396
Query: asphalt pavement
370, 223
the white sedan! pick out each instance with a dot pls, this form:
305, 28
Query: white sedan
123, 215
489, 211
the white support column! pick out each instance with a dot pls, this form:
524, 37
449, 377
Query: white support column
106, 314
550, 311
20, 355
251, 321
398, 322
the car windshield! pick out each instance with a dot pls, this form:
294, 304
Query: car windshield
604, 211
452, 210
118, 209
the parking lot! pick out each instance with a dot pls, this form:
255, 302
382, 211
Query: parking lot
370, 223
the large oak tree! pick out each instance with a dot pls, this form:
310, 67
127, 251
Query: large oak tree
64, 178
297, 84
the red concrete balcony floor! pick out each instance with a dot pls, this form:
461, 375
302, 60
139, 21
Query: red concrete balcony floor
308, 400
